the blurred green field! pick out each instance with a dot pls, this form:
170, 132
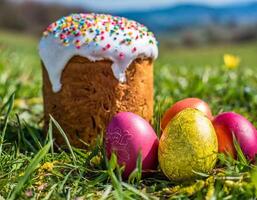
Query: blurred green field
179, 73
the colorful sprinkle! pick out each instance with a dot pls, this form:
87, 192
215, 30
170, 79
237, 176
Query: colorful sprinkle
99, 25
122, 56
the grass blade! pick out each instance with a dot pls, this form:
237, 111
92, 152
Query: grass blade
50, 192
33, 136
106, 192
22, 137
115, 182
64, 181
10, 106
19, 133
240, 154
65, 138
136, 175
29, 170
11, 98
134, 190
49, 136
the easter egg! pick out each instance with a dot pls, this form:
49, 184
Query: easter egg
127, 135
188, 144
181, 105
229, 123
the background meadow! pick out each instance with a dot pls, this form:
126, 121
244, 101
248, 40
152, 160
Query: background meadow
187, 67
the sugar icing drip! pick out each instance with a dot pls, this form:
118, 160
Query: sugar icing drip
96, 37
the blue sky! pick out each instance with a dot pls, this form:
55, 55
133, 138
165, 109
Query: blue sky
115, 5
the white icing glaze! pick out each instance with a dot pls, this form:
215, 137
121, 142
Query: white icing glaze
55, 55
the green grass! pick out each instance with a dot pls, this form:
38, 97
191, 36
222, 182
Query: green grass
31, 168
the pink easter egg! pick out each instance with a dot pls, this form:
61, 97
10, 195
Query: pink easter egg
229, 123
128, 134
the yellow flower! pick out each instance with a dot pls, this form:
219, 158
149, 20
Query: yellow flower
21, 174
47, 166
231, 61
38, 183
95, 160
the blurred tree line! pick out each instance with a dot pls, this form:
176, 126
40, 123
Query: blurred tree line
209, 34
31, 17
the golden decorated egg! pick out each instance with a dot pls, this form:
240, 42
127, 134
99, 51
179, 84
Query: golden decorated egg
188, 145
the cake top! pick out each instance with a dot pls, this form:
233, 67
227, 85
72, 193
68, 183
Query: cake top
81, 29
96, 37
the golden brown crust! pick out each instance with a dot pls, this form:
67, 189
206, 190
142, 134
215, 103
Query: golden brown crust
91, 95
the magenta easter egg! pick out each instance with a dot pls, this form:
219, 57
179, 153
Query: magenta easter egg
127, 135
229, 123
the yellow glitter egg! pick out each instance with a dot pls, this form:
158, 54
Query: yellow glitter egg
188, 145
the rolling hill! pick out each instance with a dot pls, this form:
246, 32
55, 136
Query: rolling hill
187, 15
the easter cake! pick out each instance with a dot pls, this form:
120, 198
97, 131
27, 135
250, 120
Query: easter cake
94, 66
